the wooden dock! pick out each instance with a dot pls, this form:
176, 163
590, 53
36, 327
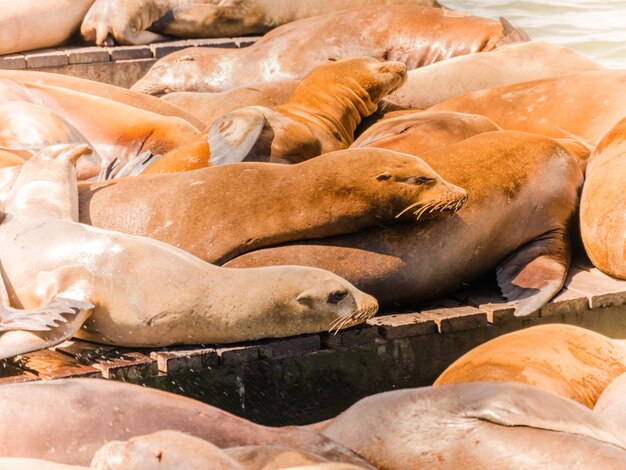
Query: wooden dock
309, 377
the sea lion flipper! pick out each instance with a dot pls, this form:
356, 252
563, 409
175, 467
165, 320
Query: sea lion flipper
44, 318
135, 166
534, 273
512, 34
233, 137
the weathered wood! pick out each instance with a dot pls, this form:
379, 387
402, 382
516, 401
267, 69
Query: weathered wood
350, 337
290, 347
128, 368
402, 325
238, 354
48, 364
600, 289
456, 318
171, 362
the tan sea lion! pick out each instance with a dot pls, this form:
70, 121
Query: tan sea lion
563, 359
273, 457
202, 211
12, 463
126, 21
415, 133
520, 185
603, 203
414, 35
586, 104
427, 86
611, 405
320, 117
103, 90
107, 410
184, 300
35, 24
208, 107
480, 425
163, 450
115, 130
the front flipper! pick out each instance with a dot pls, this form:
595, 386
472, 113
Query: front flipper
234, 136
44, 318
535, 273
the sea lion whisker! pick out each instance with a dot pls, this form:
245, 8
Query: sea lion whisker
415, 204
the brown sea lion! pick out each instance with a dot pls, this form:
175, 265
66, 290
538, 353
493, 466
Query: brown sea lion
586, 104
563, 359
415, 133
103, 90
115, 130
523, 192
72, 288
202, 211
611, 405
320, 117
107, 410
480, 425
126, 21
272, 457
603, 203
35, 24
427, 86
209, 107
414, 35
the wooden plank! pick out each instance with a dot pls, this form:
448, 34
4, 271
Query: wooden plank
9, 373
456, 318
600, 289
350, 337
566, 301
403, 325
290, 347
497, 309
130, 367
238, 354
171, 362
90, 353
48, 364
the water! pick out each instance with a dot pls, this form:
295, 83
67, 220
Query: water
596, 28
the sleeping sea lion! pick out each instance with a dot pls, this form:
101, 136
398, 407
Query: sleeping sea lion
611, 405
523, 193
427, 86
563, 359
202, 211
108, 410
115, 130
126, 21
480, 425
320, 117
415, 133
603, 204
414, 35
586, 104
35, 24
166, 296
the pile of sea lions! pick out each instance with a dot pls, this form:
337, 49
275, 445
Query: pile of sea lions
517, 401
360, 154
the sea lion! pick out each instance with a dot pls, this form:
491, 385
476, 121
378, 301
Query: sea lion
126, 21
35, 24
415, 133
320, 117
602, 217
414, 35
427, 86
103, 90
184, 301
611, 405
11, 463
115, 130
586, 104
523, 192
563, 359
484, 425
163, 450
273, 457
201, 211
107, 410
209, 107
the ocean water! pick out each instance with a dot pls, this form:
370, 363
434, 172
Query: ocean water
596, 28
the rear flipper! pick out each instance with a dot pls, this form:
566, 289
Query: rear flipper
135, 166
44, 318
535, 273
13, 343
512, 34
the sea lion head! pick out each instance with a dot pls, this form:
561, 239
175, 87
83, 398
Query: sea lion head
307, 300
414, 190
174, 72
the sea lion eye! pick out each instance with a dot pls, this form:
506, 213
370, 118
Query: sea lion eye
383, 176
337, 296
418, 180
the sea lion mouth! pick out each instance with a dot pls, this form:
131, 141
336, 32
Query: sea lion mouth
359, 315
434, 207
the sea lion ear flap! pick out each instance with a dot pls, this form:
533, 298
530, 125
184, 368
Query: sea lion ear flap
234, 136
512, 35
534, 273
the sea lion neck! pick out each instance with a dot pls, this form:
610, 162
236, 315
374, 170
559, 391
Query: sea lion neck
339, 108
